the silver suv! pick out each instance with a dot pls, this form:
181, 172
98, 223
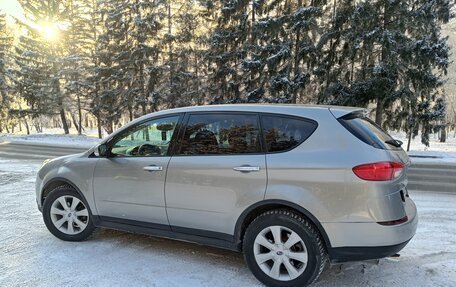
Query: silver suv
290, 186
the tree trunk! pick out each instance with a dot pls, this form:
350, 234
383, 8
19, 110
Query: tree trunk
64, 121
294, 96
409, 140
379, 112
130, 112
37, 127
99, 125
27, 126
79, 114
76, 125
443, 135
384, 59
109, 127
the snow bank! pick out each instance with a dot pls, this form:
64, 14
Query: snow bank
81, 141
436, 152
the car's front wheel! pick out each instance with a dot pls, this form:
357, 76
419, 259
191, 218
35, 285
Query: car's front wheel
282, 248
66, 215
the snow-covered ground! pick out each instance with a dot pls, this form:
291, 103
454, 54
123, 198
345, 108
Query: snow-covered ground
82, 141
31, 256
436, 152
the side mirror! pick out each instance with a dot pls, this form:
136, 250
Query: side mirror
102, 150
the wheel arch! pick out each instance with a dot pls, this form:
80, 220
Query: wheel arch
256, 209
57, 182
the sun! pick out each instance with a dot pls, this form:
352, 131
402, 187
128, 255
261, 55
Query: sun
49, 31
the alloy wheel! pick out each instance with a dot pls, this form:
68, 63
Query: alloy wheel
280, 253
69, 215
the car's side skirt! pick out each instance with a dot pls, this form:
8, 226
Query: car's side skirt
204, 237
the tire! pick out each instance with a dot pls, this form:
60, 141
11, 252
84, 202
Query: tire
76, 222
298, 264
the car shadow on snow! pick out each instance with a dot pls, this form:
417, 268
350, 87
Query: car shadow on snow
346, 274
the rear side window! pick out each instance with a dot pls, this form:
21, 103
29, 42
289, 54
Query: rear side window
282, 133
221, 134
367, 130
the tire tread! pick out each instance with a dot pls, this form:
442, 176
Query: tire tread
306, 223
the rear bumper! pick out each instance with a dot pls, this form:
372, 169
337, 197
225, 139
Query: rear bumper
345, 254
353, 241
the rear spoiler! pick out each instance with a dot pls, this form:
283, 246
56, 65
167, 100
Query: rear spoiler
347, 112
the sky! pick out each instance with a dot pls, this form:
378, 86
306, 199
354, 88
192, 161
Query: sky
12, 8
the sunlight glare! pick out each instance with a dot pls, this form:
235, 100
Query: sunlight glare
49, 31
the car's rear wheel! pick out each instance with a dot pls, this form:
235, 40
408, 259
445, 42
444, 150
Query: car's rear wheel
282, 248
66, 215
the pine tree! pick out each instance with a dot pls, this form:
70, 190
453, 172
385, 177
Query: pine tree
76, 60
145, 51
34, 76
40, 53
389, 53
265, 51
6, 41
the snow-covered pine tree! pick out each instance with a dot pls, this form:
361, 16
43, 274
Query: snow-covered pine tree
360, 53
265, 50
95, 16
75, 63
112, 73
389, 53
179, 28
286, 35
227, 48
147, 23
39, 56
186, 53
426, 53
126, 59
6, 45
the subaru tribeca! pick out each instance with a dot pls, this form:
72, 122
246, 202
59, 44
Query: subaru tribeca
291, 186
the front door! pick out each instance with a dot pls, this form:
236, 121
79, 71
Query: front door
130, 183
218, 171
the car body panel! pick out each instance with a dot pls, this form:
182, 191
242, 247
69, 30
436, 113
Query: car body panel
370, 234
123, 189
76, 169
204, 192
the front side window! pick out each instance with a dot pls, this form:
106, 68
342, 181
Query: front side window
221, 134
151, 138
284, 133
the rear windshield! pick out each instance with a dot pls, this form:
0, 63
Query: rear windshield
367, 130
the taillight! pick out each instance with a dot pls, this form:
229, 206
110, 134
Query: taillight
379, 171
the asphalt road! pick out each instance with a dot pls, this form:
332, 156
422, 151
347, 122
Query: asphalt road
19, 150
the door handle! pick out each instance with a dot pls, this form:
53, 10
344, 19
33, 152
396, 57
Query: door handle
246, 168
153, 168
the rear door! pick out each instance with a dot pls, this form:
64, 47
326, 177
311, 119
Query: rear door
218, 171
